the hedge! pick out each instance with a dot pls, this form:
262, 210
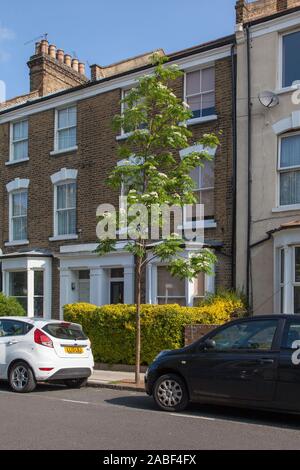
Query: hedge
10, 307
111, 328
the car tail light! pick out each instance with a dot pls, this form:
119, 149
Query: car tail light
46, 369
41, 338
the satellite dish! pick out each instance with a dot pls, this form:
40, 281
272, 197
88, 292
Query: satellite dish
268, 99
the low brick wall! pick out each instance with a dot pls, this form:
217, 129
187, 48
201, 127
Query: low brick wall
194, 332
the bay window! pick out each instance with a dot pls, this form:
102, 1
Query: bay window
170, 290
200, 92
18, 287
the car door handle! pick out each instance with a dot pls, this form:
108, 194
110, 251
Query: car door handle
266, 361
10, 343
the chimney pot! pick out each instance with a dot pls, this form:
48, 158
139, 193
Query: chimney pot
52, 51
44, 46
75, 64
81, 68
68, 60
60, 55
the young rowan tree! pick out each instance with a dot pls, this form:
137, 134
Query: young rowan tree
152, 175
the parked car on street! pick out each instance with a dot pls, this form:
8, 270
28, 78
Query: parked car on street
33, 350
253, 362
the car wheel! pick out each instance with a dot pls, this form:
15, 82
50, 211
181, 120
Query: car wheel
76, 383
21, 378
170, 393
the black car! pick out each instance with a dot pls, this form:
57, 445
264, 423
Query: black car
253, 362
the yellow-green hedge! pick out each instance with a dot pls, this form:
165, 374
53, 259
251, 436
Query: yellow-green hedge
112, 328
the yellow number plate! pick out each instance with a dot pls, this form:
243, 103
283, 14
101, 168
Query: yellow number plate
73, 350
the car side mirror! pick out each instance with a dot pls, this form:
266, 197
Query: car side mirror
208, 344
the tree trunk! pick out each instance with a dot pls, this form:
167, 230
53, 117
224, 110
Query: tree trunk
138, 323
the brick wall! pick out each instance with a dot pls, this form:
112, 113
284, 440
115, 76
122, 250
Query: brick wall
94, 160
249, 11
194, 332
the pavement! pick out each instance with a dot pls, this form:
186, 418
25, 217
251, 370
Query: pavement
54, 417
115, 380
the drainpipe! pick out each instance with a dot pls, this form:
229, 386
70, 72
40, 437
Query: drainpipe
234, 166
249, 182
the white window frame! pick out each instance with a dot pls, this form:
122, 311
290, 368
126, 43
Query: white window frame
12, 218
56, 211
12, 142
281, 170
280, 59
15, 186
57, 150
201, 118
124, 135
60, 178
208, 223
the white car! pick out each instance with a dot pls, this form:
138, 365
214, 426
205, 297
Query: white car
33, 350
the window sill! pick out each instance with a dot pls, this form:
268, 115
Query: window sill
294, 207
17, 243
124, 136
59, 238
15, 162
200, 120
289, 89
210, 223
62, 151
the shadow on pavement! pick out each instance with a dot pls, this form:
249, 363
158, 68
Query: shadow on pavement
220, 413
41, 387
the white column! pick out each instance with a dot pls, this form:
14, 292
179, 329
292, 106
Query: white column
210, 283
153, 292
30, 292
148, 283
99, 286
64, 289
288, 306
48, 289
129, 285
5, 282
189, 292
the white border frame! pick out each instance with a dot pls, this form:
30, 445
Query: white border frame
11, 160
56, 150
284, 170
280, 58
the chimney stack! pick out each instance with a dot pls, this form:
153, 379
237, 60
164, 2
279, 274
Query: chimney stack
44, 46
52, 70
249, 11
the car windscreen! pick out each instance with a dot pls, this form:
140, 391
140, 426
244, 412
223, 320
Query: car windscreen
65, 331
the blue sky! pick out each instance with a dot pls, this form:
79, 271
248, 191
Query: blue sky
105, 31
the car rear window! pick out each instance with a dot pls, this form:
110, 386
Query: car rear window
65, 331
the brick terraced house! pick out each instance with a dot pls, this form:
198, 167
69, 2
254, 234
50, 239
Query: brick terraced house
57, 148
